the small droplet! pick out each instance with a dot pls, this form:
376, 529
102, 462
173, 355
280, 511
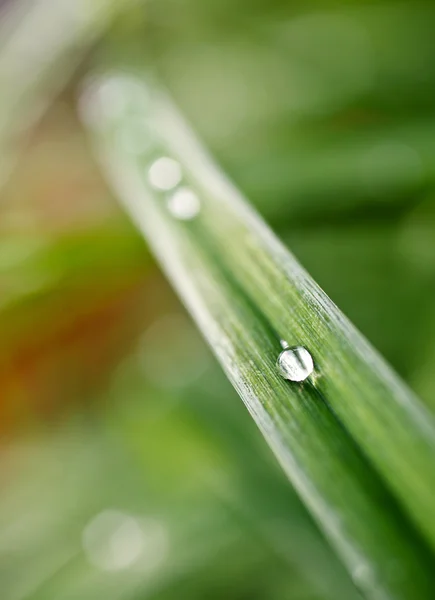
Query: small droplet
164, 173
295, 364
184, 204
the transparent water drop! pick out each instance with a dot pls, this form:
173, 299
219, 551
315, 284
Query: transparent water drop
164, 174
184, 204
295, 364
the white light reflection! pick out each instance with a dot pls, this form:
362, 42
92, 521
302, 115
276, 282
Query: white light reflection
363, 577
114, 541
184, 204
112, 97
164, 173
119, 93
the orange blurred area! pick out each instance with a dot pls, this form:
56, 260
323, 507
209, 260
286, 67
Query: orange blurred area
71, 309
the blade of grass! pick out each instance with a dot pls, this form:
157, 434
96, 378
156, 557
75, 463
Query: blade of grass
41, 43
350, 502
390, 424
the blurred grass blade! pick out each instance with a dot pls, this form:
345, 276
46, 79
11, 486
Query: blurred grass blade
41, 42
246, 292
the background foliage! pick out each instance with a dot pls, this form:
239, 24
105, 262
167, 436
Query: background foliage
322, 113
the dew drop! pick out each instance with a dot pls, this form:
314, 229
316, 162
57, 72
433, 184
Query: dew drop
164, 173
295, 364
184, 204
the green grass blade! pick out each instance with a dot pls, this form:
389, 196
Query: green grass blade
206, 259
41, 43
389, 423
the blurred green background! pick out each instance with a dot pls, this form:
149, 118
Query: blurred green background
129, 467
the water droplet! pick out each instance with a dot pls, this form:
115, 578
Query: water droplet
295, 364
184, 204
164, 173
